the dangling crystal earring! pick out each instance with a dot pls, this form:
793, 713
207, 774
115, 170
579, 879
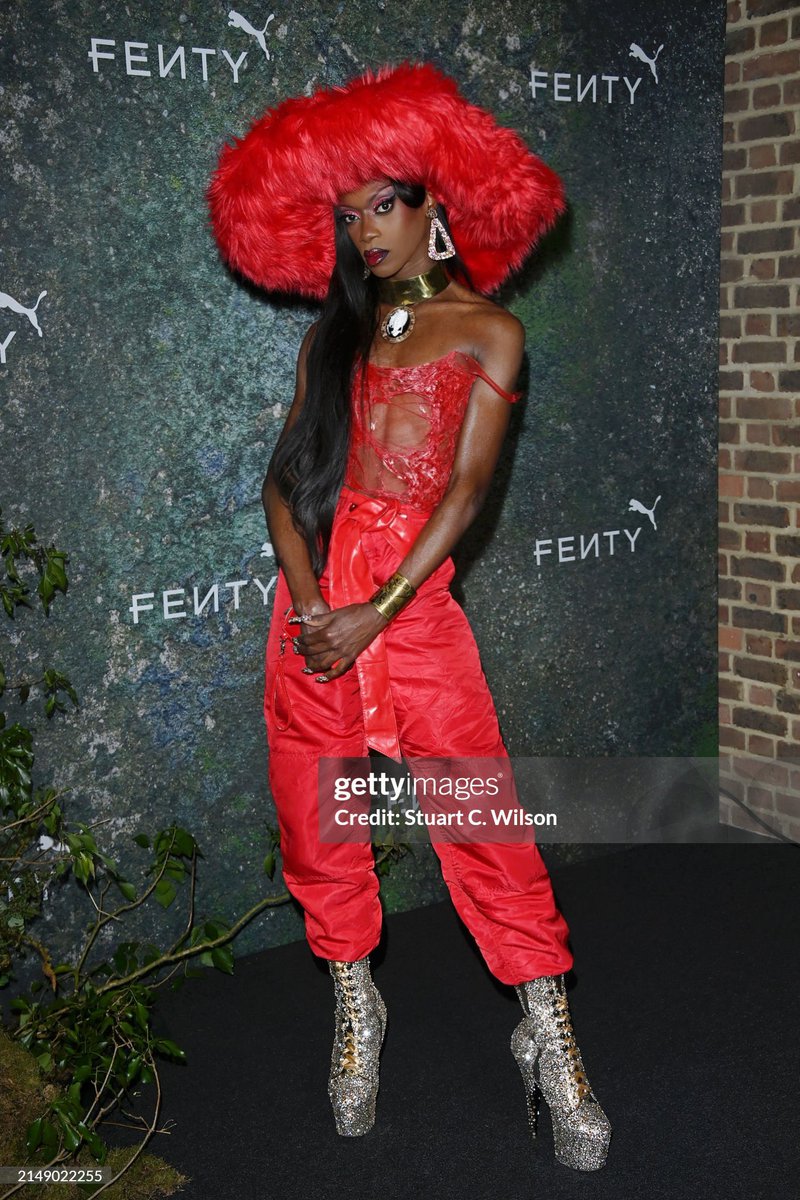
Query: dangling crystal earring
367, 272
438, 227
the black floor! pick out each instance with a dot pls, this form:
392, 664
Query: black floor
685, 1004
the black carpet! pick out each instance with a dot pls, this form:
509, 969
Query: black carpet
684, 1002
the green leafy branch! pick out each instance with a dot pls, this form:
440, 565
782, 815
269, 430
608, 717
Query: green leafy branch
93, 1037
88, 1023
21, 546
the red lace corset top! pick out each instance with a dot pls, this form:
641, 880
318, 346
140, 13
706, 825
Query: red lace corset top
405, 423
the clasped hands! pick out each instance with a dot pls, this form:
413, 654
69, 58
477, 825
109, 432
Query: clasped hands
332, 639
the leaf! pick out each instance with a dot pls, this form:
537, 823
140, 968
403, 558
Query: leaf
222, 958
142, 840
165, 1046
134, 1066
56, 572
127, 889
46, 591
72, 1139
162, 841
183, 844
83, 867
94, 1143
34, 1138
165, 892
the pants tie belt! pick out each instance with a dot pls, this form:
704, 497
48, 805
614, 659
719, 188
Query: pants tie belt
351, 582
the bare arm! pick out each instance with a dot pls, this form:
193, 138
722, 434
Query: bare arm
340, 636
480, 442
289, 545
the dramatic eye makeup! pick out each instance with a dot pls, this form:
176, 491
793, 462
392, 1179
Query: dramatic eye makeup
382, 203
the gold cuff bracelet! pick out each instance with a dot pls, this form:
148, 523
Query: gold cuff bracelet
393, 595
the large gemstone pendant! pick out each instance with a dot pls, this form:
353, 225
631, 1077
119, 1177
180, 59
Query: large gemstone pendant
397, 324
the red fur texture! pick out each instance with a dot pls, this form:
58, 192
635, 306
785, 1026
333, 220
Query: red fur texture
271, 196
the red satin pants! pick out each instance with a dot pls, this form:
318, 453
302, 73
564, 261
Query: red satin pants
419, 691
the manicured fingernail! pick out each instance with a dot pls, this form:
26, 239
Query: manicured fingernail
322, 679
294, 621
308, 670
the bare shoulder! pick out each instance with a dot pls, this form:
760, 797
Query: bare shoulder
498, 332
490, 330
497, 340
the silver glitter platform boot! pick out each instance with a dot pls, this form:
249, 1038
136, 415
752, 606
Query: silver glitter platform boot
548, 1057
360, 1028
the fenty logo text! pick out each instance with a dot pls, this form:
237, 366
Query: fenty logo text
567, 87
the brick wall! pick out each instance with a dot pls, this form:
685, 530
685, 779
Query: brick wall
759, 534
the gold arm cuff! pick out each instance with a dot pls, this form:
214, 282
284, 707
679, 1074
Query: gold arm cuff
393, 595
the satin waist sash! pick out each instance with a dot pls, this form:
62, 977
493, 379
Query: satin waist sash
350, 581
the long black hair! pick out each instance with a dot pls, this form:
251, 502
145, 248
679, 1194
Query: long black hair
308, 464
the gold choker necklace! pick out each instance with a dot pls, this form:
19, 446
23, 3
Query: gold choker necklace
404, 293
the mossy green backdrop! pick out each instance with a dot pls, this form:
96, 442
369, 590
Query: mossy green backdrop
136, 431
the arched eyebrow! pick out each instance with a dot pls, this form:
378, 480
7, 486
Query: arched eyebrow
344, 208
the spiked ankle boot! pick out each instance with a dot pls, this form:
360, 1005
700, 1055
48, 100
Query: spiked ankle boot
550, 1062
360, 1028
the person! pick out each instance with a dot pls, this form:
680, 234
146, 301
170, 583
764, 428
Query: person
359, 195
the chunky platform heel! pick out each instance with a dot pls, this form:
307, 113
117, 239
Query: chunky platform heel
358, 1038
549, 1060
526, 1052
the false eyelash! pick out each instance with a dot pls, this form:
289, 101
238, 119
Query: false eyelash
340, 217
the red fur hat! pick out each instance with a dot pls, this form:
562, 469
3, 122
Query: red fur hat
272, 193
